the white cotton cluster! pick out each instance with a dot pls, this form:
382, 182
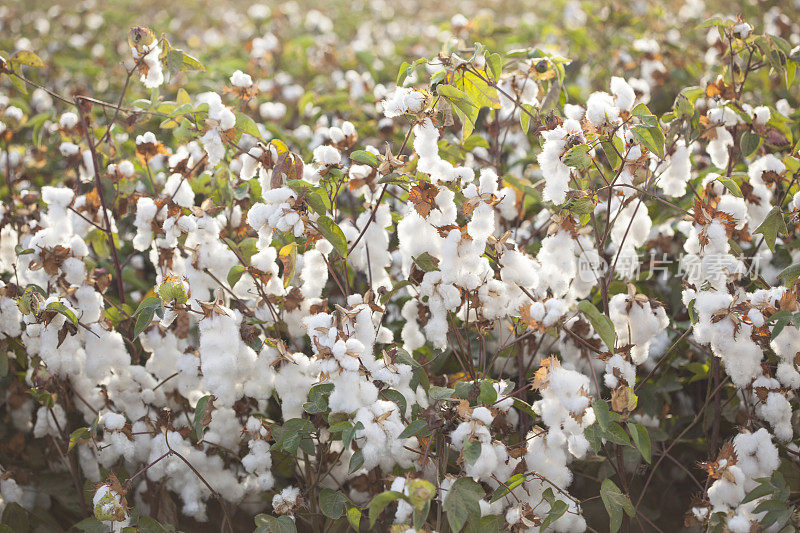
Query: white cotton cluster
637, 322
604, 109
677, 171
285, 501
276, 213
229, 367
379, 440
150, 66
327, 155
721, 118
371, 254
220, 120
258, 460
426, 138
754, 457
772, 405
493, 459
241, 80
569, 265
565, 409
630, 230
727, 334
555, 172
405, 100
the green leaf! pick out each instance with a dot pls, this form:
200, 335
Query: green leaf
379, 503
235, 274
764, 489
78, 435
512, 483
397, 398
749, 143
525, 118
275, 524
26, 57
615, 503
462, 503
247, 125
683, 107
356, 460
602, 413
151, 302
191, 63
331, 503
426, 262
471, 452
578, 157
440, 393
495, 64
293, 434
601, 323
149, 525
200, 410
333, 234
354, 517
142, 321
414, 428
613, 150
402, 74
557, 510
641, 439
790, 274
348, 434
488, 394
616, 434
731, 185
651, 138
524, 407
466, 110
480, 93
318, 398
773, 225
174, 62
90, 525
62, 309
365, 158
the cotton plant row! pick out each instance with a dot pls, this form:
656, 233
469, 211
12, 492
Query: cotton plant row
436, 330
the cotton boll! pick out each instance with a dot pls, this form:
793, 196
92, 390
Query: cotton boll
637, 323
677, 171
724, 494
241, 80
601, 109
179, 189
404, 100
623, 92
756, 455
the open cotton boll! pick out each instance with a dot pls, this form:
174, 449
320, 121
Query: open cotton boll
677, 171
327, 155
601, 109
430, 162
555, 172
725, 494
637, 323
756, 455
241, 80
404, 100
623, 93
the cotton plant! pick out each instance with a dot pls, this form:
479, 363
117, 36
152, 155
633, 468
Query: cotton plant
425, 301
